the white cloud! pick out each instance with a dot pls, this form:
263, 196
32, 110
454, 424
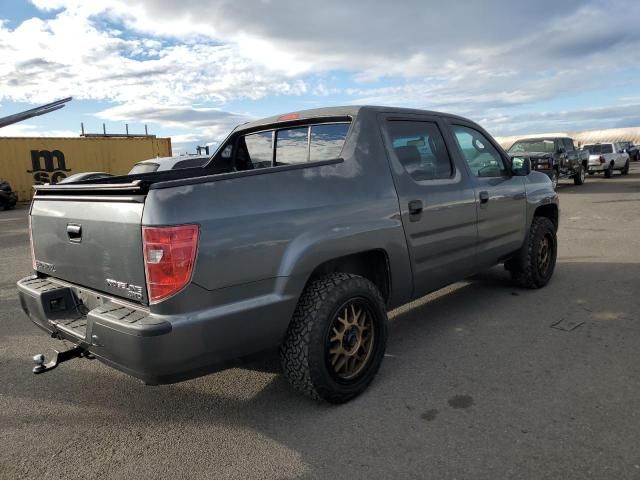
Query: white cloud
29, 130
162, 60
206, 123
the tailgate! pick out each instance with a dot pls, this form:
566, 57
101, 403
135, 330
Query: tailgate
91, 242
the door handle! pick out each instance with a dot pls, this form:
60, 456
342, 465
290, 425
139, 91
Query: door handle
484, 197
415, 207
74, 232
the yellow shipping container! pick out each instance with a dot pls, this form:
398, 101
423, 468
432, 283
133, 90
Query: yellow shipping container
26, 161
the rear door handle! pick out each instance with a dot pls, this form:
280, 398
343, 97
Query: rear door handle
74, 231
415, 207
484, 197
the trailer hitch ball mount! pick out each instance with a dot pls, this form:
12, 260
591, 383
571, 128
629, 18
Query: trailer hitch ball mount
57, 358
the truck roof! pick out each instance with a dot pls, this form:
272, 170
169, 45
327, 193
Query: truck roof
341, 111
543, 137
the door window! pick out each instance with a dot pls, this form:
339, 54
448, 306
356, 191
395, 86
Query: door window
568, 145
483, 158
420, 149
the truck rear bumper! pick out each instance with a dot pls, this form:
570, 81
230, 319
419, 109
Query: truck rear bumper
157, 349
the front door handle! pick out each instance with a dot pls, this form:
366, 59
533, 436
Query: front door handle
484, 197
415, 207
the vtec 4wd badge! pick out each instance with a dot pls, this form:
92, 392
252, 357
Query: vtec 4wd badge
132, 291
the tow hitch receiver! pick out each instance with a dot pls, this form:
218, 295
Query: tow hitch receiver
58, 358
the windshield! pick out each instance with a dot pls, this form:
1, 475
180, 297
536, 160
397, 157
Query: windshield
144, 168
598, 149
537, 145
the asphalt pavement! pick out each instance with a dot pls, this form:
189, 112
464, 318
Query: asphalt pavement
482, 380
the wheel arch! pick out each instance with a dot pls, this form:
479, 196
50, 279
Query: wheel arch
371, 264
549, 211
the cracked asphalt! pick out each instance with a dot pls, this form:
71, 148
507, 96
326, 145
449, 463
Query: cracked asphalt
476, 383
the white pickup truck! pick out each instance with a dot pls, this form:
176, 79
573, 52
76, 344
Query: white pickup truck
606, 158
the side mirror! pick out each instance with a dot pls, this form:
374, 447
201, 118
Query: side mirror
560, 149
622, 150
520, 166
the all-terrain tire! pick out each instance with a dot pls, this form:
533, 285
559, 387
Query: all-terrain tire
526, 269
579, 177
304, 351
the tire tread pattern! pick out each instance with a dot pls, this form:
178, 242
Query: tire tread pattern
297, 352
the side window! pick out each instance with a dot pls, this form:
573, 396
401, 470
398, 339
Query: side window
258, 148
327, 141
568, 145
292, 146
420, 148
481, 156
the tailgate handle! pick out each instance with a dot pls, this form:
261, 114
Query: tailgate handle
74, 231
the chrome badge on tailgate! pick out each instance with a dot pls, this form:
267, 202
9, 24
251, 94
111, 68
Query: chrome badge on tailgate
132, 291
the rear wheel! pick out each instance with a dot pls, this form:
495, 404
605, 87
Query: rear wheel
579, 177
337, 338
608, 173
534, 265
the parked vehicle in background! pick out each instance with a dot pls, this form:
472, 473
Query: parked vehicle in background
8, 198
157, 164
606, 158
299, 233
176, 162
631, 149
80, 177
555, 156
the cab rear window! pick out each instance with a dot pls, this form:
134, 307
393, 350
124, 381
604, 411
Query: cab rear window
291, 146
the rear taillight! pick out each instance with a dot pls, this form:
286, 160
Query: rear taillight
169, 257
33, 253
602, 160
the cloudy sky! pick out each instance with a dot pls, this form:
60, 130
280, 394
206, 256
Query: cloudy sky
192, 69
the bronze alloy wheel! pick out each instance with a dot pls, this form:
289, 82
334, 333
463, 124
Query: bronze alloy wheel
545, 252
350, 340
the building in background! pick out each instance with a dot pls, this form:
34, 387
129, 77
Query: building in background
27, 161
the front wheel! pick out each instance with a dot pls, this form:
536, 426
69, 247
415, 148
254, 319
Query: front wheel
625, 169
336, 339
534, 265
579, 177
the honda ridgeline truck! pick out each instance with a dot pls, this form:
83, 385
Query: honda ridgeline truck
301, 232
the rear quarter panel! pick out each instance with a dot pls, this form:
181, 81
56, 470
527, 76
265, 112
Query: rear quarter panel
282, 225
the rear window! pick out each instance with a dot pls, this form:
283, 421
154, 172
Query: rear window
259, 149
293, 146
599, 149
144, 168
327, 141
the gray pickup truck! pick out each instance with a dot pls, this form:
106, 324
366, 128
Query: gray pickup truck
301, 232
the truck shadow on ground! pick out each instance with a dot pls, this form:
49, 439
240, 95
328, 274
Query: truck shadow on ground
627, 184
458, 344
